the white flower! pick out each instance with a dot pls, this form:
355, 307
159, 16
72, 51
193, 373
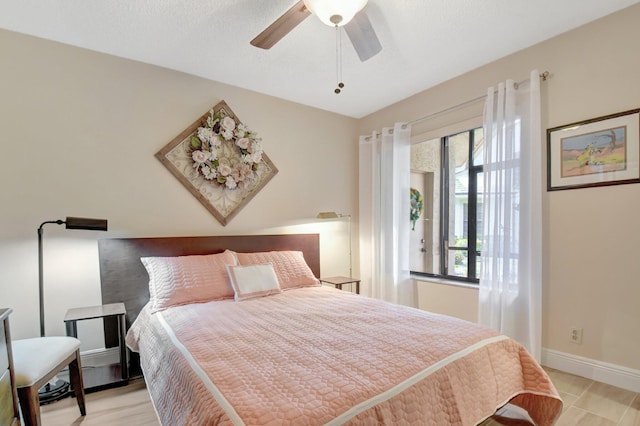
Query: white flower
249, 159
227, 134
243, 132
215, 141
213, 154
200, 156
205, 134
230, 183
243, 143
208, 172
228, 124
255, 148
211, 121
224, 169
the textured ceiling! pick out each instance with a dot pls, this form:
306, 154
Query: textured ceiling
424, 42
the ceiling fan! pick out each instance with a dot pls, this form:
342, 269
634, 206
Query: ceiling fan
335, 13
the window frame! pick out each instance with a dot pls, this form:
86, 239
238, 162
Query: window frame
474, 171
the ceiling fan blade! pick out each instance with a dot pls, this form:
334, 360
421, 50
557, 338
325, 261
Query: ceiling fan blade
281, 27
362, 36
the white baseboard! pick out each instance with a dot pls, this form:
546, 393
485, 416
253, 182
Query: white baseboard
100, 357
611, 374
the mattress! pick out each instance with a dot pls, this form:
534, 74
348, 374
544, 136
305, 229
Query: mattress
317, 355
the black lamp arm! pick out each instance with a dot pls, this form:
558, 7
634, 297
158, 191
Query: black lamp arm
57, 222
79, 223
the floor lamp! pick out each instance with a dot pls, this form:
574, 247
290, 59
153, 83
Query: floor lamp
334, 215
58, 388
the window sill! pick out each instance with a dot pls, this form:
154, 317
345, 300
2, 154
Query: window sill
436, 280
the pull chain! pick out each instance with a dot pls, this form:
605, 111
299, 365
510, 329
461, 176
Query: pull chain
338, 61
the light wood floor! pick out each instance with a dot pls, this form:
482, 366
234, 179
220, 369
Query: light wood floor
589, 403
586, 403
126, 405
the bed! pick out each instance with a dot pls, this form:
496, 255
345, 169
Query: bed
269, 345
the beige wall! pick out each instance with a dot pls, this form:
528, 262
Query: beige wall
78, 131
78, 134
459, 301
590, 236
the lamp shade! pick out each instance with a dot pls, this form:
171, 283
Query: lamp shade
335, 12
86, 223
328, 215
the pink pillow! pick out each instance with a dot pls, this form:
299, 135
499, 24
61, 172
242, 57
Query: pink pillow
291, 268
188, 279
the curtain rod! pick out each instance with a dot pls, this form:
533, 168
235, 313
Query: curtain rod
543, 76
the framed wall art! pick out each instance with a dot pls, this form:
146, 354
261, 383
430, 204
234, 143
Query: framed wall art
220, 161
597, 152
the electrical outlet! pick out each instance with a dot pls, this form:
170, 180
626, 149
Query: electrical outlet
576, 335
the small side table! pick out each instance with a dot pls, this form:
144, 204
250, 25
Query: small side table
102, 311
338, 282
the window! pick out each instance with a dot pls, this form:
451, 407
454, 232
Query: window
446, 238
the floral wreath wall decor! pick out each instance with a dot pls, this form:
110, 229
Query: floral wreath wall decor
416, 207
220, 161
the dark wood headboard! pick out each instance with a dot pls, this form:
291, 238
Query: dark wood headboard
124, 278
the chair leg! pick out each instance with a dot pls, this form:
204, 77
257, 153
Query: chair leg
30, 405
75, 375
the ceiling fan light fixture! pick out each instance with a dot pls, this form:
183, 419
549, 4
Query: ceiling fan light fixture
335, 12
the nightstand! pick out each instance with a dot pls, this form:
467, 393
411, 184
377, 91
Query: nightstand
338, 282
99, 377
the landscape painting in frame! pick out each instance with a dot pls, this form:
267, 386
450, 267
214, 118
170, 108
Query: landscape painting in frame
597, 152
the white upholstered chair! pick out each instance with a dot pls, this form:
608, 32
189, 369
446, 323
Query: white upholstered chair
38, 360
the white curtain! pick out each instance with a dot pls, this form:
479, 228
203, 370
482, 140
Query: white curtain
384, 172
511, 276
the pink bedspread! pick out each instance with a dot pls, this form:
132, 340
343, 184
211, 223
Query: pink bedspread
322, 356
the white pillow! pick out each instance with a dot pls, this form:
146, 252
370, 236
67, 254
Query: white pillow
253, 281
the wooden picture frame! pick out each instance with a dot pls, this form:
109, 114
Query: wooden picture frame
222, 203
597, 152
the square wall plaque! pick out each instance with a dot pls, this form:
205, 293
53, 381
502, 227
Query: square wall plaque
220, 161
